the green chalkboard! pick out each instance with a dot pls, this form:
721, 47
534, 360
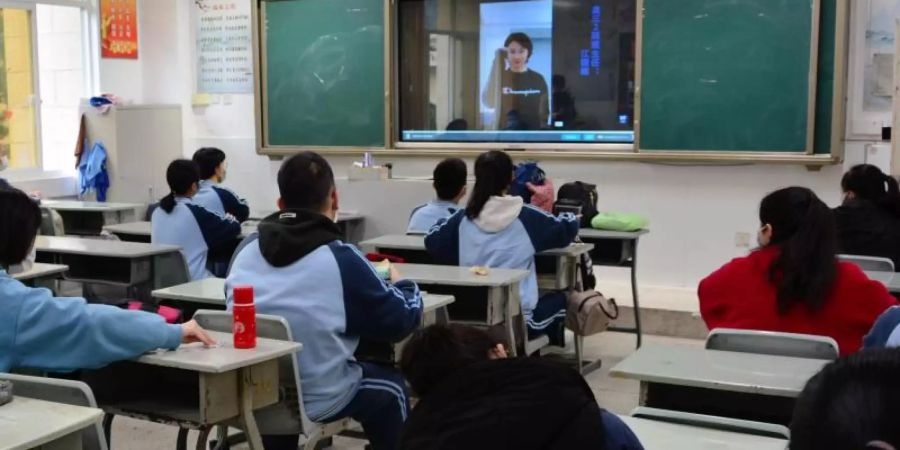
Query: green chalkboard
729, 75
323, 72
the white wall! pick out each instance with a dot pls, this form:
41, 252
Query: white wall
694, 211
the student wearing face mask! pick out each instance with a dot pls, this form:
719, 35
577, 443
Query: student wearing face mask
518, 94
794, 282
212, 195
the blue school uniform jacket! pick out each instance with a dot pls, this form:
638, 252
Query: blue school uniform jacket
426, 216
195, 229
507, 234
330, 295
886, 331
222, 200
39, 331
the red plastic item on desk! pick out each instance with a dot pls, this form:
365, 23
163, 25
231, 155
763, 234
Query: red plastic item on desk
244, 317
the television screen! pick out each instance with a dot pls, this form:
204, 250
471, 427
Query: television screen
521, 71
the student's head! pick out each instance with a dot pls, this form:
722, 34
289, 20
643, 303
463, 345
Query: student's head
868, 182
493, 175
458, 125
853, 404
434, 353
306, 181
211, 162
450, 179
519, 49
802, 227
183, 178
20, 219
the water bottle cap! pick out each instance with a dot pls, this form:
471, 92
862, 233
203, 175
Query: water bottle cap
243, 295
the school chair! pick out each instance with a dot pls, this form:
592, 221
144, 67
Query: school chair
51, 223
713, 422
773, 343
869, 263
288, 415
60, 391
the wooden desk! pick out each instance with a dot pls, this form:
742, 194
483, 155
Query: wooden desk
891, 280
729, 384
88, 218
195, 387
668, 436
618, 249
27, 423
41, 273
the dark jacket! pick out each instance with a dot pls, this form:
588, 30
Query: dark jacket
867, 229
521, 404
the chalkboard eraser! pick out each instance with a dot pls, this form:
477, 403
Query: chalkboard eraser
885, 133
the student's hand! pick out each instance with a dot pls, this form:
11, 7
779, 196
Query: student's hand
230, 217
542, 196
193, 332
395, 274
498, 352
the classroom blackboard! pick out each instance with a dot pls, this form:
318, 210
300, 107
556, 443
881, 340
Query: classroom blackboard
323, 72
722, 75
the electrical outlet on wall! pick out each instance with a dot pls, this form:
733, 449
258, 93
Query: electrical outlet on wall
742, 240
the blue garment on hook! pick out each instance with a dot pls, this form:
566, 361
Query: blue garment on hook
92, 172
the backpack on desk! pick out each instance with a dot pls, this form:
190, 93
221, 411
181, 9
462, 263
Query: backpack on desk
577, 197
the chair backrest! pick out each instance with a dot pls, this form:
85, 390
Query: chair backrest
713, 422
61, 391
171, 269
288, 415
51, 223
149, 213
772, 343
872, 263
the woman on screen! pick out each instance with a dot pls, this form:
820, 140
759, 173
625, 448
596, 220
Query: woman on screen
517, 94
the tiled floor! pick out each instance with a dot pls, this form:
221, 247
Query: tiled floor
616, 395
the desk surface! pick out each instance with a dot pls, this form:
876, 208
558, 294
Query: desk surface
417, 242
890, 280
222, 358
145, 228
590, 233
728, 371
27, 423
41, 270
459, 276
667, 436
100, 247
72, 205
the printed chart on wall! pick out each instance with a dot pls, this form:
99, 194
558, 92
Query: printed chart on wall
224, 46
872, 69
118, 29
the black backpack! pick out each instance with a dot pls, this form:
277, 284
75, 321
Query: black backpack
580, 198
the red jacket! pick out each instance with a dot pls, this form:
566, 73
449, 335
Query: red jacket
739, 295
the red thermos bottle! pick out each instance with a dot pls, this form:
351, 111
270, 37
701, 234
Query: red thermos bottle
244, 317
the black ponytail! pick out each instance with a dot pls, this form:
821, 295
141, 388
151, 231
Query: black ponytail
868, 182
803, 228
493, 175
181, 175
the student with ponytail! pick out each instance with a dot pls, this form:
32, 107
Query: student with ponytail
794, 283
868, 221
179, 221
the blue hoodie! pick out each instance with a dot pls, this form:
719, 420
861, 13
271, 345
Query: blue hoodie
330, 295
221, 200
195, 229
506, 235
426, 216
39, 331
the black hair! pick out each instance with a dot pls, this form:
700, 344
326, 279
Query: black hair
450, 178
434, 353
20, 220
523, 40
803, 228
208, 159
868, 182
305, 181
493, 175
181, 175
458, 125
850, 404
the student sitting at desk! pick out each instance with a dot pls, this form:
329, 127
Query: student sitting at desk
868, 221
331, 296
498, 230
179, 221
212, 195
39, 331
852, 404
794, 282
450, 186
472, 397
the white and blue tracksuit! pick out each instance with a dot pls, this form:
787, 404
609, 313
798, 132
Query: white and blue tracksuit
331, 296
222, 200
39, 331
426, 216
507, 234
886, 331
195, 229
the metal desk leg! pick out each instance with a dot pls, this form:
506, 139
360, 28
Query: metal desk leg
634, 294
248, 421
508, 298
